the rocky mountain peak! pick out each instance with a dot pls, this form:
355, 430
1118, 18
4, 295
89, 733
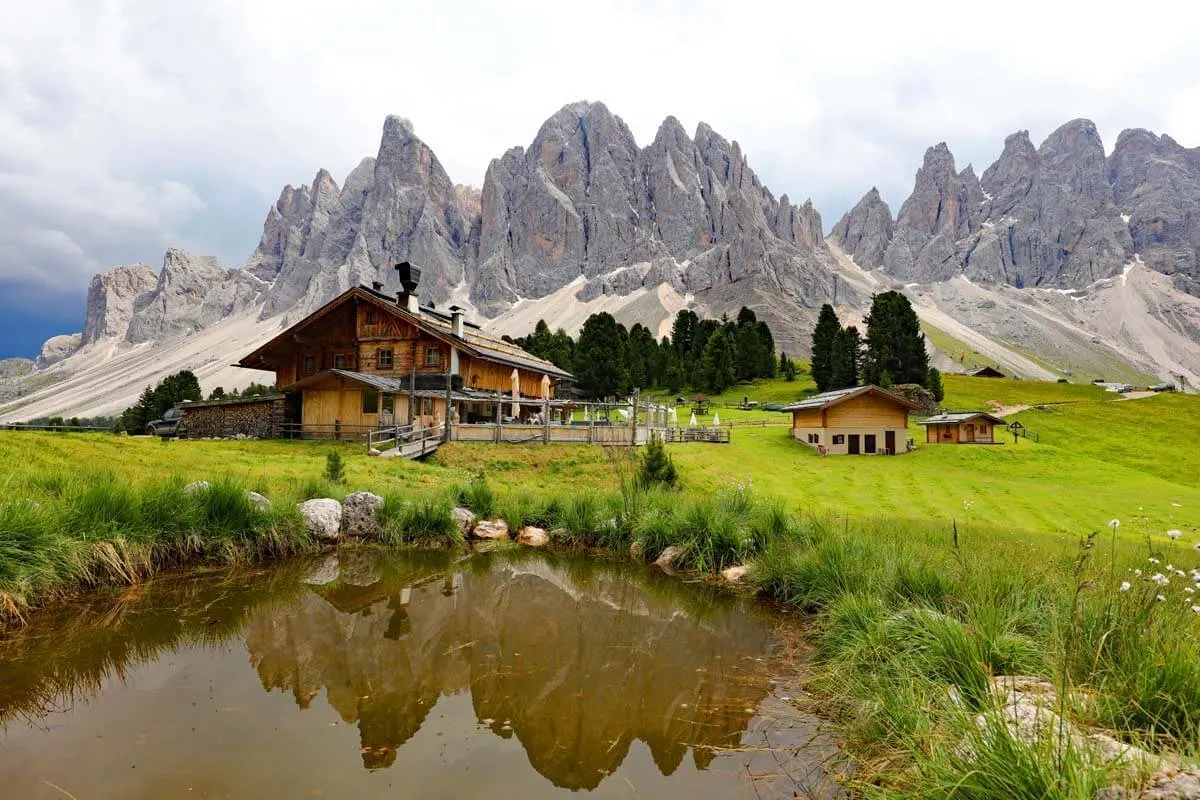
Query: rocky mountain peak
192, 292
1156, 184
111, 297
865, 231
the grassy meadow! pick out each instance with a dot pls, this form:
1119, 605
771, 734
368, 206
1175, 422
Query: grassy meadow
911, 621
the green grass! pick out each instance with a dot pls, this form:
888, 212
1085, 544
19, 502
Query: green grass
967, 356
926, 574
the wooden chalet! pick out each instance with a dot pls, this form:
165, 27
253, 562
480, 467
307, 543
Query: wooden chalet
975, 427
864, 420
367, 360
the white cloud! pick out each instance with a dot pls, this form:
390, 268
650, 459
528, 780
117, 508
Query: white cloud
121, 123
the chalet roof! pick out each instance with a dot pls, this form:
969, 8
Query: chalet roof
473, 341
984, 372
953, 419
827, 399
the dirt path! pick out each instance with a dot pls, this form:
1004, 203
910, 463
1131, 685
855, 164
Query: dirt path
1135, 395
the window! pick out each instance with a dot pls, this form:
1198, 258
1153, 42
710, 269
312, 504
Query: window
370, 401
814, 438
383, 358
370, 319
427, 406
389, 403
339, 361
839, 438
433, 356
310, 365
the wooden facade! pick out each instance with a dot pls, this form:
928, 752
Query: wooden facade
366, 360
967, 428
862, 421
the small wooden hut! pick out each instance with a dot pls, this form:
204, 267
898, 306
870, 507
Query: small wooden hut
973, 427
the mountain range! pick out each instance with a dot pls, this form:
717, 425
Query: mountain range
1058, 260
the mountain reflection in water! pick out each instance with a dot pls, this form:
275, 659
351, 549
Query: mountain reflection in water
574, 658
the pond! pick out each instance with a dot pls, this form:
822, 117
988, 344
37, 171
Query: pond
367, 674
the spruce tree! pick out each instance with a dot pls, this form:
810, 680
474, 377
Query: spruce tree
935, 384
600, 368
847, 349
895, 344
718, 362
657, 467
823, 337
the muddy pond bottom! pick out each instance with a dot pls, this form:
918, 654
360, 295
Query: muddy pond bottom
424, 675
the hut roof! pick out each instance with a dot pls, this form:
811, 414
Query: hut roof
953, 419
827, 399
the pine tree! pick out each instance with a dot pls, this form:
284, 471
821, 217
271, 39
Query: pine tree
600, 368
657, 467
787, 368
718, 362
766, 351
935, 384
847, 349
823, 337
895, 344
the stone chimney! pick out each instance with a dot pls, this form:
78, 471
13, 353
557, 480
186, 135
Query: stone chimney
456, 321
407, 298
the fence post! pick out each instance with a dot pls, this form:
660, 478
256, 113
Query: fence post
499, 424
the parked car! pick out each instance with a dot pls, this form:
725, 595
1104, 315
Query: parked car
168, 425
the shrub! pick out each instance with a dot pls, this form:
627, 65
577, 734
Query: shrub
335, 468
657, 468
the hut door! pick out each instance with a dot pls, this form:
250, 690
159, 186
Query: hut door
970, 432
852, 444
889, 442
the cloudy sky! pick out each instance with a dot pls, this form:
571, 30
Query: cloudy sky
127, 126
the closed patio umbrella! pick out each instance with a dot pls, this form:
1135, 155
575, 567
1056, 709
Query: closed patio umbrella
692, 423
516, 393
716, 418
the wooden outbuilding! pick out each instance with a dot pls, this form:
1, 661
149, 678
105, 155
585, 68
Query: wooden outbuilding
366, 360
973, 427
985, 372
865, 420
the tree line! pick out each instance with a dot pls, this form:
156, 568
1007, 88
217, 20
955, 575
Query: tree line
893, 351
609, 360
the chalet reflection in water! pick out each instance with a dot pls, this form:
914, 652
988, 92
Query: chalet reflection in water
576, 667
445, 667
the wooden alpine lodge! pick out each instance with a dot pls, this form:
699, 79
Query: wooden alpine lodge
405, 377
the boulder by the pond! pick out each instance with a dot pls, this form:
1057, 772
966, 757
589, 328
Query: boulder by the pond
533, 537
490, 529
197, 486
1173, 786
735, 574
1027, 709
464, 518
323, 517
669, 557
326, 572
636, 550
360, 511
258, 501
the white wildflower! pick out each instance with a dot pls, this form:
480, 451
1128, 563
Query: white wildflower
1196, 609
1188, 590
1137, 573
1162, 599
1153, 560
1114, 523
1176, 505
1160, 579
1126, 586
1174, 534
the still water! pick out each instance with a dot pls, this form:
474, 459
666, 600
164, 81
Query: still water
427, 675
